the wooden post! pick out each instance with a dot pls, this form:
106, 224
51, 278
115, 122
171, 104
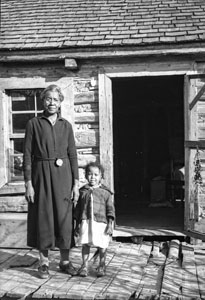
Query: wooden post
106, 130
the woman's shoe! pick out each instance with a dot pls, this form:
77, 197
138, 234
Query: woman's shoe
83, 271
101, 271
68, 268
43, 272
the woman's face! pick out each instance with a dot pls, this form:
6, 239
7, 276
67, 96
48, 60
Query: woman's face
51, 102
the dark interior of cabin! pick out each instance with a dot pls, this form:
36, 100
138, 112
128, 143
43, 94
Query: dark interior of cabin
148, 133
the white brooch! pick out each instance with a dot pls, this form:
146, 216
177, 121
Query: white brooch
59, 162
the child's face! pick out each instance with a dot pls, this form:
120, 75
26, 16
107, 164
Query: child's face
94, 176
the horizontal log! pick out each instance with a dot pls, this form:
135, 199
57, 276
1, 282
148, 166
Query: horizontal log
87, 117
86, 107
83, 160
202, 98
85, 97
34, 57
86, 126
10, 189
195, 144
201, 133
88, 138
13, 230
13, 204
98, 53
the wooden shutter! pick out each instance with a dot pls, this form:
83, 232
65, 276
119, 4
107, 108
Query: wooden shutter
195, 156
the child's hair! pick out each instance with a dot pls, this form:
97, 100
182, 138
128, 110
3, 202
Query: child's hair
94, 165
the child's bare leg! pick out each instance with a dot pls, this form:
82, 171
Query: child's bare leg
101, 268
83, 271
85, 254
102, 252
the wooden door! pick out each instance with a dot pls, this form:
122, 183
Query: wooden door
195, 156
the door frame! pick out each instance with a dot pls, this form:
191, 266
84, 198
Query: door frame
106, 108
106, 113
193, 145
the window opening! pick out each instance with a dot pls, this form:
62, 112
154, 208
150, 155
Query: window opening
24, 104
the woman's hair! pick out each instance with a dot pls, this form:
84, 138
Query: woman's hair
52, 88
94, 165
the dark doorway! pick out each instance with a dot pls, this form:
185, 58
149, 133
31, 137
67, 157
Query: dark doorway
148, 131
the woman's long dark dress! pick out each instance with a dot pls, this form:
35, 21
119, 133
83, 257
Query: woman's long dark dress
50, 216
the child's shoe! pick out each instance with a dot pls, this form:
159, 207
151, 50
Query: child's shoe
43, 272
83, 271
101, 271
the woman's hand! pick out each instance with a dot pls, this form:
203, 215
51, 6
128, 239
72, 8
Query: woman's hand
77, 231
75, 192
29, 194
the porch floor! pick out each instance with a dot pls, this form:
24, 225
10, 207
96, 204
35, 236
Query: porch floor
140, 270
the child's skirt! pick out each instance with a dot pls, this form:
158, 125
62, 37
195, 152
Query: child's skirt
93, 233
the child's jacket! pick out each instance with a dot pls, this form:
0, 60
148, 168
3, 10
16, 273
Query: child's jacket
103, 206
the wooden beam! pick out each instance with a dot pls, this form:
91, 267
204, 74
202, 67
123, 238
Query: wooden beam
88, 117
13, 203
44, 55
86, 139
83, 160
105, 125
25, 57
12, 189
13, 230
195, 234
85, 97
195, 144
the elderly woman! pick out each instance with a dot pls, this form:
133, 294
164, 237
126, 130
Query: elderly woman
51, 182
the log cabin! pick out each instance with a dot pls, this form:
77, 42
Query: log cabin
133, 76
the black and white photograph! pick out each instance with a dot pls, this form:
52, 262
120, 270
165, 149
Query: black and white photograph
102, 149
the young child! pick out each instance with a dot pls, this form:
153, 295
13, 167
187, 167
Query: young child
94, 216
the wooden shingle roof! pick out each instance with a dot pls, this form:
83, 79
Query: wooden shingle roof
46, 24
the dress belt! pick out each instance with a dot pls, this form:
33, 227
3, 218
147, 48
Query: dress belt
48, 158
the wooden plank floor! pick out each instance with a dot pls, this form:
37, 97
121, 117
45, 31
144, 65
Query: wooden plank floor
149, 270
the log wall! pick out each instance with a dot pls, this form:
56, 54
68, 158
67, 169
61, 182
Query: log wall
82, 110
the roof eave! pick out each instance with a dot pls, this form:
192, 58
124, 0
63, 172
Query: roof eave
59, 54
